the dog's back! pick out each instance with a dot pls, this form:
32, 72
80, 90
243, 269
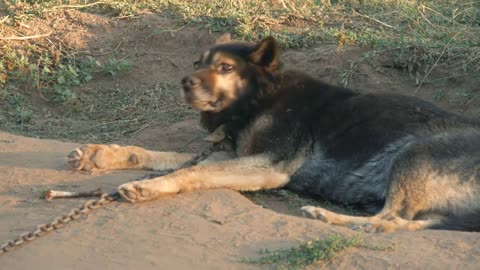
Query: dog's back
417, 162
368, 150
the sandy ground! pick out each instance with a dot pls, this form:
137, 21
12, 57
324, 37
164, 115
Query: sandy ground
212, 229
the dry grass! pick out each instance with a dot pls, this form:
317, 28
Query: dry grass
107, 115
35, 61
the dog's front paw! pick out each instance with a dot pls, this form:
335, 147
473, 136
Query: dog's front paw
83, 158
315, 213
101, 157
134, 192
140, 191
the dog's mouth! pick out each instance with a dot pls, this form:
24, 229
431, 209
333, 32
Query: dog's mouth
211, 104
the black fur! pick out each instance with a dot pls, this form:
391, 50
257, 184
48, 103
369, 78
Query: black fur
353, 142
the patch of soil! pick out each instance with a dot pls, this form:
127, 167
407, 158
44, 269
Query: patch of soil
213, 229
207, 230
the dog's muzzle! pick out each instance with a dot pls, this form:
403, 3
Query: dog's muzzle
189, 83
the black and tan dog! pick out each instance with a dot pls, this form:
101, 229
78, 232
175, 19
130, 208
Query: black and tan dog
418, 165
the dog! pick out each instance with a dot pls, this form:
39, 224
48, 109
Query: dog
414, 165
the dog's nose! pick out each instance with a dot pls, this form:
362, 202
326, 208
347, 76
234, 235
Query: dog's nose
190, 81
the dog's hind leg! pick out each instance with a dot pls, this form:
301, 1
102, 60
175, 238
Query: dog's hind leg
243, 174
406, 197
437, 179
103, 157
402, 204
382, 222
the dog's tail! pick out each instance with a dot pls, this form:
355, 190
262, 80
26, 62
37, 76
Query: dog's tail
466, 222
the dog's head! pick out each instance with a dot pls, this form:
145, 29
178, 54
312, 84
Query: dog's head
224, 73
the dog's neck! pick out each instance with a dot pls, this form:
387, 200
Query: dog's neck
264, 93
234, 119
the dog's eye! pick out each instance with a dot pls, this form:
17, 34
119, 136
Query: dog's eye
196, 64
225, 68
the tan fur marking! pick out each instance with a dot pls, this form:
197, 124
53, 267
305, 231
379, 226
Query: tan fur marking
217, 135
399, 224
164, 160
261, 123
337, 219
221, 58
252, 173
382, 222
101, 157
227, 84
449, 193
429, 190
293, 165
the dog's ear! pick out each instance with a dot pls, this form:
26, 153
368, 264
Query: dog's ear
265, 54
225, 38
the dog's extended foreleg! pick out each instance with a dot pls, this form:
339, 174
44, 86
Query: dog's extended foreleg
250, 173
103, 157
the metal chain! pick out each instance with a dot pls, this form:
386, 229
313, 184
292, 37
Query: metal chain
91, 205
59, 222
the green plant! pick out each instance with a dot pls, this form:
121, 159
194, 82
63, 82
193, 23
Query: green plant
306, 253
113, 66
16, 107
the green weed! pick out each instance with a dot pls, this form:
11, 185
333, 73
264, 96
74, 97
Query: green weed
54, 81
16, 107
306, 253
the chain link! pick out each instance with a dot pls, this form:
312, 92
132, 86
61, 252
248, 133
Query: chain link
59, 222
91, 205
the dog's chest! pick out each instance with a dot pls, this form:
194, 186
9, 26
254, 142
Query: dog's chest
257, 137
